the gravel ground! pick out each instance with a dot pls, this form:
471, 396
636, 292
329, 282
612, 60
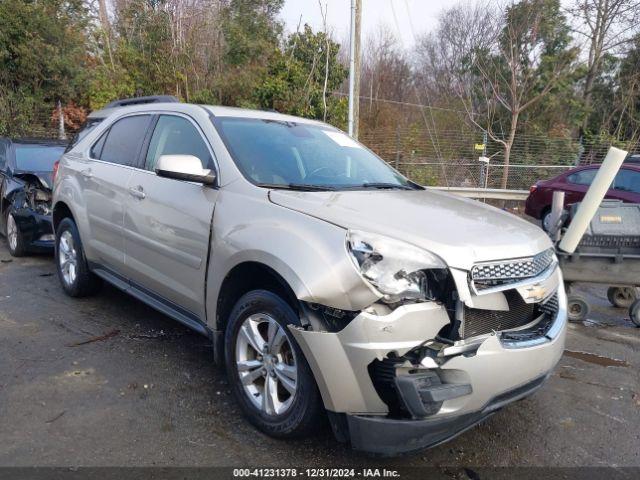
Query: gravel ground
145, 392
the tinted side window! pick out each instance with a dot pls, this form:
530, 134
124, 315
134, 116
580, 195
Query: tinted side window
627, 181
124, 140
175, 135
584, 177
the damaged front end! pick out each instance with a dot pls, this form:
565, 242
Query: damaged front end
409, 373
31, 210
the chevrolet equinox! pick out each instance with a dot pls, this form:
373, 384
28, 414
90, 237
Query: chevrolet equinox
326, 281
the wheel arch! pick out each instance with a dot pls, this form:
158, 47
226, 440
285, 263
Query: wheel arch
61, 211
245, 277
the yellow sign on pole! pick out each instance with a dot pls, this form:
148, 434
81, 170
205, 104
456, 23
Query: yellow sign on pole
479, 146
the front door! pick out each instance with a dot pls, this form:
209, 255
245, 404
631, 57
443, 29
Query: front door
168, 222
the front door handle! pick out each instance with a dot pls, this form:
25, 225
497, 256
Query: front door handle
137, 192
86, 173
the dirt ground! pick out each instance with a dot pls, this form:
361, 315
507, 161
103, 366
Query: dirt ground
147, 393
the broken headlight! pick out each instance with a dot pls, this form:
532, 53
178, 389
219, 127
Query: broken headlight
395, 269
38, 200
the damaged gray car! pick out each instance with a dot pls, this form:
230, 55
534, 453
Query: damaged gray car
326, 280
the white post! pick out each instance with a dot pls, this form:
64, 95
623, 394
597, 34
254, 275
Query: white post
61, 133
352, 65
557, 205
592, 199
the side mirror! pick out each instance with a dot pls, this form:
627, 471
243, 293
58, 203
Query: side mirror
184, 167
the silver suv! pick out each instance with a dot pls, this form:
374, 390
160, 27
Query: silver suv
325, 279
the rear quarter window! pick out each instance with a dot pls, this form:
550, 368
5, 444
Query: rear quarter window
123, 141
89, 125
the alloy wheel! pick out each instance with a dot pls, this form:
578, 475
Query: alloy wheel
266, 364
546, 222
12, 232
68, 258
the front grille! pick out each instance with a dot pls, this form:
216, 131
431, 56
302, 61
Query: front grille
550, 307
481, 322
485, 275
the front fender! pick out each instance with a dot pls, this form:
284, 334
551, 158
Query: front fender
310, 254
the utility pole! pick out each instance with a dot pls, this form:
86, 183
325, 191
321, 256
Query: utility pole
354, 68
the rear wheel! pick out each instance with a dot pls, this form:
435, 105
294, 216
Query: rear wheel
622, 297
73, 271
15, 240
267, 370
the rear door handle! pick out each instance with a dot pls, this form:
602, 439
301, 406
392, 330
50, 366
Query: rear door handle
86, 173
137, 192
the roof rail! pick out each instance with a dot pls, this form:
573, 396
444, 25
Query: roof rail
125, 102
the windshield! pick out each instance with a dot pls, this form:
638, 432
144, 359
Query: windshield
37, 158
281, 154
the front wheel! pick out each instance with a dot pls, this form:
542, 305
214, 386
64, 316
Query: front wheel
15, 240
73, 271
546, 221
267, 370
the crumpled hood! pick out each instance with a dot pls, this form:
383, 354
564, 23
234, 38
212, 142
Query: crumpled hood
459, 230
45, 178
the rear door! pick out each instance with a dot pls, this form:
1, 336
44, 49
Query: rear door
104, 182
168, 222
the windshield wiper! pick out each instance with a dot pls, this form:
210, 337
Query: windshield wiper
301, 187
383, 186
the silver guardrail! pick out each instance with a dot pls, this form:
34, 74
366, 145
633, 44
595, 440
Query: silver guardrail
489, 193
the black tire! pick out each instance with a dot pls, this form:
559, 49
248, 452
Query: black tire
634, 313
305, 411
577, 308
622, 297
19, 249
85, 283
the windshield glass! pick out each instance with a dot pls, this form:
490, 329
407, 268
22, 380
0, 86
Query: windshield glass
37, 158
295, 155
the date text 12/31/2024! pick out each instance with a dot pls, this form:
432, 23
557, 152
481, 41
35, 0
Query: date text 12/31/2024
315, 472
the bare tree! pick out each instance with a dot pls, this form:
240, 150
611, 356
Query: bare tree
525, 62
463, 30
386, 76
607, 26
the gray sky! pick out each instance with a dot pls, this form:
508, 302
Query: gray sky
423, 17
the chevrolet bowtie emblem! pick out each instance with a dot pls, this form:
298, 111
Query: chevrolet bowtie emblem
536, 292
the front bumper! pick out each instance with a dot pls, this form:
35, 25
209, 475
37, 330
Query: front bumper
494, 373
34, 226
394, 436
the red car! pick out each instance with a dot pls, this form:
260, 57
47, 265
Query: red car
575, 182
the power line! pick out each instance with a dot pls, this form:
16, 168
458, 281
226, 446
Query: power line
398, 102
435, 143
